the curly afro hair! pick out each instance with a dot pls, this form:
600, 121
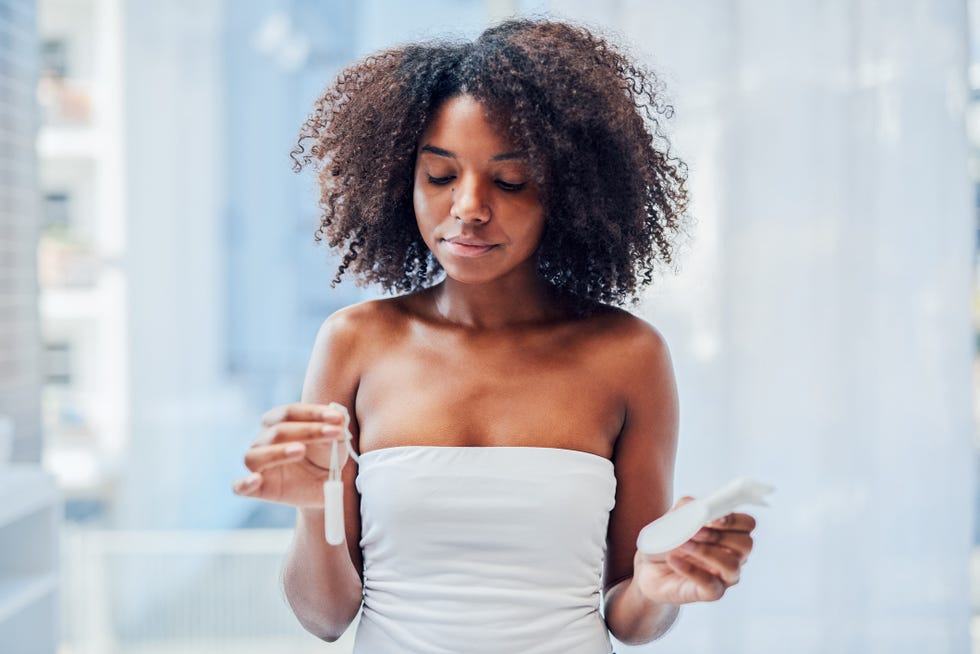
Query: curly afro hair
586, 115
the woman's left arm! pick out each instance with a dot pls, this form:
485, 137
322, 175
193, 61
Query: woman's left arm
643, 593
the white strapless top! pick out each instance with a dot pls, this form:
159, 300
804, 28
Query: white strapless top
483, 549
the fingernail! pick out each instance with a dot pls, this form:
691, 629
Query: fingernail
243, 485
326, 429
332, 416
293, 449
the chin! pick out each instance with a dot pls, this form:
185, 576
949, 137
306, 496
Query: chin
474, 278
469, 277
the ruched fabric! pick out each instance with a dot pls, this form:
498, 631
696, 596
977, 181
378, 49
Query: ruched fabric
483, 549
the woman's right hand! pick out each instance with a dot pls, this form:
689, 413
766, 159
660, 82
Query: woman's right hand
290, 457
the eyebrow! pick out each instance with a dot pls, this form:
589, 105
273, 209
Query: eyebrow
507, 156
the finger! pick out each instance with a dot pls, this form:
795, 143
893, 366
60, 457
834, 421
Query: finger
687, 499
712, 588
304, 432
248, 485
258, 459
302, 412
734, 522
737, 541
720, 561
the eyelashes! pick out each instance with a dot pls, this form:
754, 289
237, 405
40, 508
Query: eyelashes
506, 186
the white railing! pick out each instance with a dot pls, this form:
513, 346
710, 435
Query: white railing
179, 592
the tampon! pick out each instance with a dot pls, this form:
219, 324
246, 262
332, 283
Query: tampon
333, 487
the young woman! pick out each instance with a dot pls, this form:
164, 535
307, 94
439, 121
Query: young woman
516, 430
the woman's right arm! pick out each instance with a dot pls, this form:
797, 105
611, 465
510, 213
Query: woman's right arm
322, 582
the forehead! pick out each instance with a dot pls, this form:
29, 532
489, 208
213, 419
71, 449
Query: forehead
462, 125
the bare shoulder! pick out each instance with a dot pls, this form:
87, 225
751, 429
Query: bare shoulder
359, 326
344, 345
626, 340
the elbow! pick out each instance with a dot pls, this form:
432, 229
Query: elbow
325, 604
326, 636
329, 629
326, 617
323, 632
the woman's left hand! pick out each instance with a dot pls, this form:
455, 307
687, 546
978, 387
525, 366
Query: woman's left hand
703, 568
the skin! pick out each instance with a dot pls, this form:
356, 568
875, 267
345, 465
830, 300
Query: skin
503, 361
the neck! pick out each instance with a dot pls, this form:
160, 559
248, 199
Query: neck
504, 303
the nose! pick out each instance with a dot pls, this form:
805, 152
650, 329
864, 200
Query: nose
469, 202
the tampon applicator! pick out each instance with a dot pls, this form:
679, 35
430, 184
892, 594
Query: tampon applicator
333, 487
676, 527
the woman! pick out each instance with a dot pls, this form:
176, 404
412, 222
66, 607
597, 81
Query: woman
516, 430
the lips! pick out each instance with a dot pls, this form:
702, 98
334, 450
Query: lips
468, 247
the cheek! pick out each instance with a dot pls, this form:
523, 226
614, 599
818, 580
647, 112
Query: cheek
534, 227
426, 205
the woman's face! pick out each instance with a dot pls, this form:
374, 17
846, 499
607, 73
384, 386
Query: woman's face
476, 205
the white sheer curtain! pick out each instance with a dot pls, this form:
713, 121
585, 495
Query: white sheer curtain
820, 326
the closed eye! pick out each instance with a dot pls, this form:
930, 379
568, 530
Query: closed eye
507, 186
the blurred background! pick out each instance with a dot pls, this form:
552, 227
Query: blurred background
160, 289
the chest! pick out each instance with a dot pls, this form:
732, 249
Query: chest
517, 391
